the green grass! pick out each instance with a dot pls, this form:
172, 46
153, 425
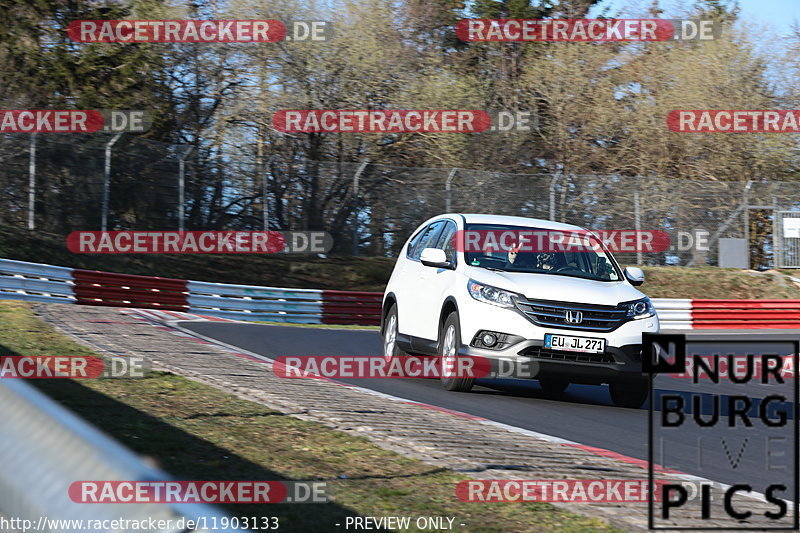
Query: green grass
197, 432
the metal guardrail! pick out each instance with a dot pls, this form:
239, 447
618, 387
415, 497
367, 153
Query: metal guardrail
750, 314
35, 282
20, 280
93, 287
350, 307
45, 448
674, 313
252, 302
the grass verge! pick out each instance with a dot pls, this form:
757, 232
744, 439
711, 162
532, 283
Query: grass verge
712, 282
197, 432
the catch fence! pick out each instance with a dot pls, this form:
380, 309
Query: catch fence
76, 182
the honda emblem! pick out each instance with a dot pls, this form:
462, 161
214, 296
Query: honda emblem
573, 317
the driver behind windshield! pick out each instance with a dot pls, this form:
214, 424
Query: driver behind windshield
540, 261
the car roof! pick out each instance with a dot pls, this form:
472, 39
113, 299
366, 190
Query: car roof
473, 218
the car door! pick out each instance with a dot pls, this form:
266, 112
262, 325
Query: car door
437, 283
409, 322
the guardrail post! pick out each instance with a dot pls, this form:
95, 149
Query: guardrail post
32, 182
182, 187
107, 180
356, 177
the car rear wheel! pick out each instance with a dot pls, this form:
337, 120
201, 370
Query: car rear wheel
629, 393
390, 348
448, 355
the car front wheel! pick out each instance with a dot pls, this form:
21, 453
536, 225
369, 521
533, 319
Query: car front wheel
629, 393
448, 356
390, 348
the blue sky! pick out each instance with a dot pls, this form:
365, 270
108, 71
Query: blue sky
778, 13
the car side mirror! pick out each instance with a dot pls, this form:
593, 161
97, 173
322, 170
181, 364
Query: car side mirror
635, 275
434, 257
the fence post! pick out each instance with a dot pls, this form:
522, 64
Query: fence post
696, 255
107, 179
777, 242
553, 197
264, 199
637, 220
356, 177
32, 182
182, 187
447, 188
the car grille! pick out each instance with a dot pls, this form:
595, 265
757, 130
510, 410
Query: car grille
543, 353
554, 314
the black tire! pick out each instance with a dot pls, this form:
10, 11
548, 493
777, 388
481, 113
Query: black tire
390, 326
629, 393
449, 339
553, 385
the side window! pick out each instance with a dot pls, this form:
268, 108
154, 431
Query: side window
446, 240
414, 242
427, 237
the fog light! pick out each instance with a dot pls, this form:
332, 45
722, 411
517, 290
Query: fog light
488, 339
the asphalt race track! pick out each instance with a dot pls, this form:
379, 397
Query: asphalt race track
583, 414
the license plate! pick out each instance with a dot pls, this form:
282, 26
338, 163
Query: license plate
567, 343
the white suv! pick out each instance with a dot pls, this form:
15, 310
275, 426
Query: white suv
575, 317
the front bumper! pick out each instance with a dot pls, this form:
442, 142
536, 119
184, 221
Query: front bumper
529, 360
525, 357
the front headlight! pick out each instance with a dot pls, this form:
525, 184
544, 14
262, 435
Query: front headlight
490, 295
640, 309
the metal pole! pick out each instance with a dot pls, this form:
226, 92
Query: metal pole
107, 179
264, 199
553, 197
356, 177
448, 189
777, 246
32, 182
637, 221
182, 187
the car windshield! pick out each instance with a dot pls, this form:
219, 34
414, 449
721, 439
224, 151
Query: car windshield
537, 251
